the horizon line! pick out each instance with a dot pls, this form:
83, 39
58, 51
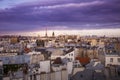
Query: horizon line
99, 32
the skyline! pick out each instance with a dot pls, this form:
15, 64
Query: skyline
36, 15
95, 32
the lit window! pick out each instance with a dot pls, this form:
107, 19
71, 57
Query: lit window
111, 59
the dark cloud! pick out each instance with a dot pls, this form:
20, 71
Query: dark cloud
75, 14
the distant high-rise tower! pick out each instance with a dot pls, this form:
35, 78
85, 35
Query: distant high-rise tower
46, 33
53, 34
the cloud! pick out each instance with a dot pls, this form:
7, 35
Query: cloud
70, 14
57, 27
70, 5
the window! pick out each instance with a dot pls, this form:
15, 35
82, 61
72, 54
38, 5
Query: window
118, 59
70, 59
1, 72
111, 59
71, 54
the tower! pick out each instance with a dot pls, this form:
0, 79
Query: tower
46, 33
53, 34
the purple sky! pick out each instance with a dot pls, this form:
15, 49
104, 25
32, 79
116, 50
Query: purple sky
32, 15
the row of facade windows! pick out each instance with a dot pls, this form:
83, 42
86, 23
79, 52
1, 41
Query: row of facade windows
70, 54
111, 59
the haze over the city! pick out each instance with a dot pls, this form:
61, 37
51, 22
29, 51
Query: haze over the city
85, 17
